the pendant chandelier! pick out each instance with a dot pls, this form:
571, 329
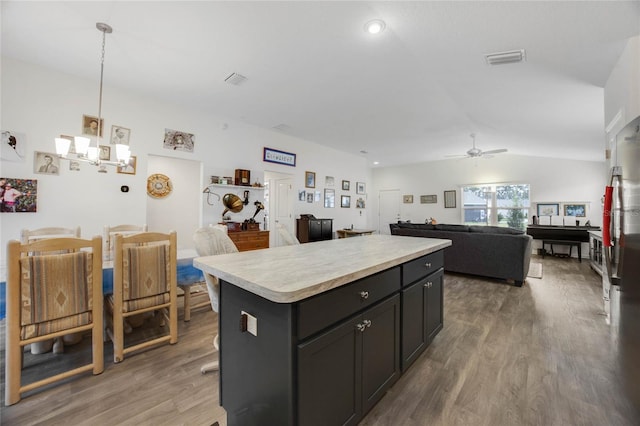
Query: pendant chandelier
85, 152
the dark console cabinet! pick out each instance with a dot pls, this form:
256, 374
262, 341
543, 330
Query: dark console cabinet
311, 229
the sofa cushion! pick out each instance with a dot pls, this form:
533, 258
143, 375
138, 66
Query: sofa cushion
409, 225
455, 228
495, 230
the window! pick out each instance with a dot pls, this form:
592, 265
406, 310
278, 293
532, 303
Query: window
497, 204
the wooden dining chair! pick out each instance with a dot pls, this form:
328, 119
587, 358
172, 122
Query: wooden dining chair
109, 231
144, 280
54, 287
213, 240
31, 235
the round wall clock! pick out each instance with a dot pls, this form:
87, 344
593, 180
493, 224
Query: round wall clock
159, 185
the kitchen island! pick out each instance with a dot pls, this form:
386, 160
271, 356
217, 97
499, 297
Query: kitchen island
317, 333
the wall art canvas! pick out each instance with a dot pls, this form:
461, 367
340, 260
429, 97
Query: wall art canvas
179, 141
13, 146
18, 195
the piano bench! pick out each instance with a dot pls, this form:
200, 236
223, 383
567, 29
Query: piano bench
571, 244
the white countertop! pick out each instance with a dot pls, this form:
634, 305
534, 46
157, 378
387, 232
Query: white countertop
292, 273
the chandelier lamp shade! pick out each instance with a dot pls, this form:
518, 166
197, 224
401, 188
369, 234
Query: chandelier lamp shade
83, 147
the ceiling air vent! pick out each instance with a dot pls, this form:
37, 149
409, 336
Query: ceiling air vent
509, 57
235, 79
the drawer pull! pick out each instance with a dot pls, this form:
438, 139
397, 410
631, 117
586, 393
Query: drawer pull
364, 294
428, 264
367, 323
361, 327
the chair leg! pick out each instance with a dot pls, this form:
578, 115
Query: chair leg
212, 366
118, 337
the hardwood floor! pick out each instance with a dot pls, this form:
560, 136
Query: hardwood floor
537, 355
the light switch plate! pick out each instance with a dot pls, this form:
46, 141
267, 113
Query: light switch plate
252, 323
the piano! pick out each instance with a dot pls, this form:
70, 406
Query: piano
561, 233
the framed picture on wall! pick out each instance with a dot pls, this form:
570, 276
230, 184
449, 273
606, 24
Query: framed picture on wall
309, 179
361, 188
450, 199
130, 168
346, 185
329, 198
577, 210
548, 209
345, 201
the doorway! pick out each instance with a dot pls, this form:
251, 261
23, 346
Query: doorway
279, 197
389, 209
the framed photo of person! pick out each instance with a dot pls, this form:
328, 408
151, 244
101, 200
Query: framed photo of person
345, 201
130, 168
105, 152
90, 125
46, 163
119, 135
346, 185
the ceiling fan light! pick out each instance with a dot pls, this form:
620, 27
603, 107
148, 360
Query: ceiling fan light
82, 144
92, 153
123, 154
62, 146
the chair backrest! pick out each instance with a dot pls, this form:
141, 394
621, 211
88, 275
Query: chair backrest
213, 240
30, 235
53, 285
145, 265
109, 231
286, 236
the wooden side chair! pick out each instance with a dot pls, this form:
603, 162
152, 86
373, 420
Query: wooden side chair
110, 231
31, 235
144, 280
212, 241
54, 287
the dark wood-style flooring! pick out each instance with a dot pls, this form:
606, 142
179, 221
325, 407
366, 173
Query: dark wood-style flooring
537, 355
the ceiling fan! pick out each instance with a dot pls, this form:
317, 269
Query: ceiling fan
477, 152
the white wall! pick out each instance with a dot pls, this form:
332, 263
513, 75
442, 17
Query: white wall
622, 91
551, 180
43, 104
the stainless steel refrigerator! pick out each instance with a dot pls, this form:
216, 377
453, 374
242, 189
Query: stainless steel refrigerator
621, 238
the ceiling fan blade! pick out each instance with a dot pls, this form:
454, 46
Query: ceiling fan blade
494, 151
456, 156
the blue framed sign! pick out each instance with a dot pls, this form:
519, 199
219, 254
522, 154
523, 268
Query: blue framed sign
279, 157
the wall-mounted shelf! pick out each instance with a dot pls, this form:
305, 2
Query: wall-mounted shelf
218, 185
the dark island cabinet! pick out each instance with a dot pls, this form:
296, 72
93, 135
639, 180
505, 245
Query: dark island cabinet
343, 372
422, 301
329, 358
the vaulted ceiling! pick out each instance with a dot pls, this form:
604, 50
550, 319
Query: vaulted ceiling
413, 93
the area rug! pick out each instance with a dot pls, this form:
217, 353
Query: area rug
535, 270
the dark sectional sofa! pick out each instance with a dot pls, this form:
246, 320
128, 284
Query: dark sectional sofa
488, 251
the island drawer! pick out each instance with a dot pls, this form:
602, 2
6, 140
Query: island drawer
317, 313
421, 267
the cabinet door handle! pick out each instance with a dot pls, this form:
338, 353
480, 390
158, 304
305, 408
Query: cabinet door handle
428, 284
367, 323
428, 264
364, 294
361, 327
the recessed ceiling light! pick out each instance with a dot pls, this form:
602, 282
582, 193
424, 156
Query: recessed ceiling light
375, 27
375, 163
